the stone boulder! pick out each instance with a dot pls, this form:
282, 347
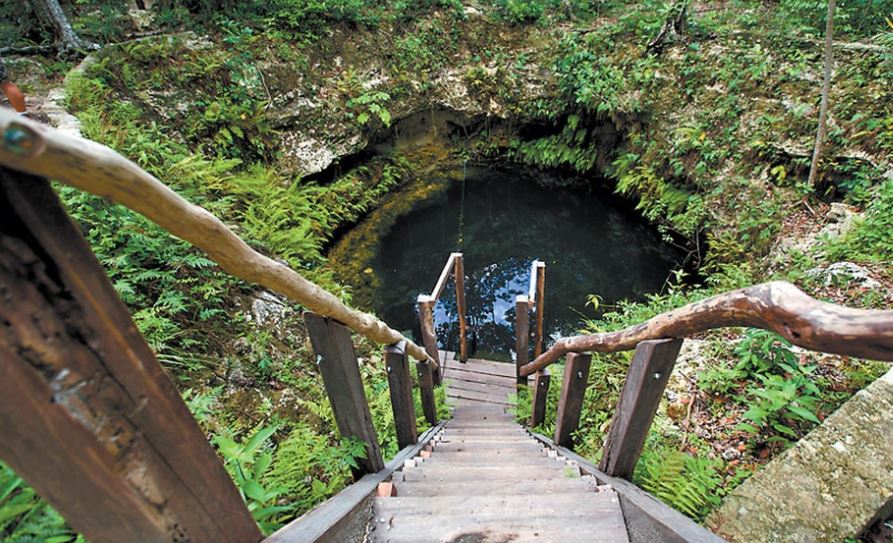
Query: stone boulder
828, 487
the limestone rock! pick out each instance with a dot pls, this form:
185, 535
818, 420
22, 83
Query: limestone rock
841, 218
826, 488
268, 309
845, 274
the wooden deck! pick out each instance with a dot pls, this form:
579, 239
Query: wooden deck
486, 479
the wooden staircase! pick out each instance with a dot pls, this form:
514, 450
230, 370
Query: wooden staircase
483, 478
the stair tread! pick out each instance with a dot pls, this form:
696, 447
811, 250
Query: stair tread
562, 517
486, 488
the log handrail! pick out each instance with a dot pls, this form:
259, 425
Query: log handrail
37, 149
778, 306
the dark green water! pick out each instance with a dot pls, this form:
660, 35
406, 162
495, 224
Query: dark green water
502, 220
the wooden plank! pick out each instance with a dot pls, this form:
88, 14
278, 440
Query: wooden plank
540, 395
570, 403
460, 306
337, 363
648, 375
342, 518
429, 337
647, 519
480, 378
540, 268
542, 487
478, 396
593, 517
495, 391
522, 337
400, 388
471, 472
90, 419
492, 367
426, 392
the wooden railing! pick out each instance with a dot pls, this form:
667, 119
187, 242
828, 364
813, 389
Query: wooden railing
455, 266
524, 304
90, 419
776, 306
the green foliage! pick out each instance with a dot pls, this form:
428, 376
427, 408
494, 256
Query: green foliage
25, 518
522, 11
310, 468
370, 105
687, 483
870, 239
303, 17
248, 462
659, 199
786, 404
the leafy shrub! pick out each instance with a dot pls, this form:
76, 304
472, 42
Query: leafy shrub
248, 462
301, 17
870, 239
522, 11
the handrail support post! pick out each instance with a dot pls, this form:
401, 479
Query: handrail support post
648, 375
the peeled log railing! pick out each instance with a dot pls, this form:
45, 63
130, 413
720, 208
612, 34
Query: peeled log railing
777, 306
31, 147
91, 419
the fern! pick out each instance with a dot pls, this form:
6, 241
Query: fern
686, 483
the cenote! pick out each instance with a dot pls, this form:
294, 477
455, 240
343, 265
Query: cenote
502, 219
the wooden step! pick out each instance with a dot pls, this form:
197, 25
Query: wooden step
484, 488
453, 395
555, 517
445, 472
487, 439
454, 374
499, 369
451, 447
483, 388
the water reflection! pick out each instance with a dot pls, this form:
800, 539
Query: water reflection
502, 220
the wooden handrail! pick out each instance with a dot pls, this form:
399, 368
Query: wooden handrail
777, 306
523, 304
33, 148
455, 266
444, 276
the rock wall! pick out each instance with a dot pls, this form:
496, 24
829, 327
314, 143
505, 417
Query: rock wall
828, 487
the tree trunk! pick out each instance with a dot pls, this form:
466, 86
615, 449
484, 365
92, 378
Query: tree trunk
66, 38
826, 88
674, 27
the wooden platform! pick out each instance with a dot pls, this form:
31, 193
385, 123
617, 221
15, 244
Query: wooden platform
485, 479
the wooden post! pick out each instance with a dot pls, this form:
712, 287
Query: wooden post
90, 419
522, 336
341, 376
429, 336
540, 394
540, 306
648, 375
459, 273
426, 392
573, 390
400, 387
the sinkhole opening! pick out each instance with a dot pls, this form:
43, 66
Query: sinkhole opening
502, 218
